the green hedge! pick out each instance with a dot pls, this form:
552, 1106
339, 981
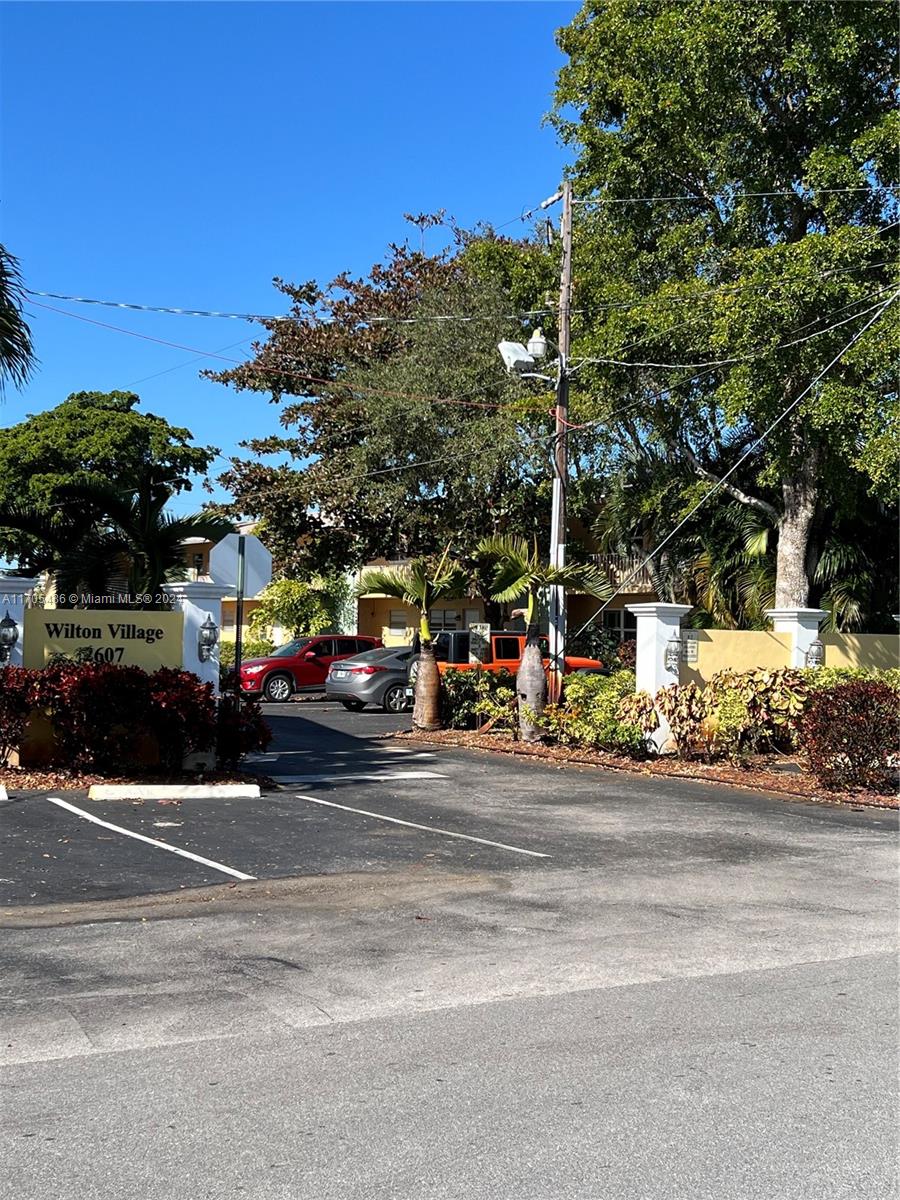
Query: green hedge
472, 697
589, 714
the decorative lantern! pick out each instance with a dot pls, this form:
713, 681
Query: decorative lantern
673, 654
815, 655
9, 635
209, 637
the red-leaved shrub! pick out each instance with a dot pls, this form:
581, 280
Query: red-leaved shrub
850, 735
112, 719
17, 699
182, 715
241, 730
98, 712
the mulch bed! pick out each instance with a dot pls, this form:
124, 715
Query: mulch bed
779, 774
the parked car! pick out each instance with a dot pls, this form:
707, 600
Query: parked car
502, 652
376, 677
299, 666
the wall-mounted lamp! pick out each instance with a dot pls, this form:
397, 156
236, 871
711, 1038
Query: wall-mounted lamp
9, 635
206, 642
815, 655
673, 654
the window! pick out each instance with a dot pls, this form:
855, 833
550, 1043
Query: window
289, 649
621, 622
362, 646
506, 649
346, 646
323, 648
444, 618
398, 620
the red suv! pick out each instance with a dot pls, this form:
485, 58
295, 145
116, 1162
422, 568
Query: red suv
299, 666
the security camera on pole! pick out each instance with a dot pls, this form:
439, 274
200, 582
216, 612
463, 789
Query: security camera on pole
517, 359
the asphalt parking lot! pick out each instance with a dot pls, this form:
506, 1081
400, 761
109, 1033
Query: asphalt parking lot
349, 799
693, 994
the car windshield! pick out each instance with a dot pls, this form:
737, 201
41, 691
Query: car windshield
289, 649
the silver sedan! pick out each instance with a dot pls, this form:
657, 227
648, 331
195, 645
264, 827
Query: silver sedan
375, 677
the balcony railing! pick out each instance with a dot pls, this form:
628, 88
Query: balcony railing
619, 567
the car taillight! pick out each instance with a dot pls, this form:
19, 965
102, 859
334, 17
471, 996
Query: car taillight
366, 670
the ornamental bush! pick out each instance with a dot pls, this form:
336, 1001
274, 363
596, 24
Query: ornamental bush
99, 713
850, 735
467, 696
17, 699
240, 730
816, 678
589, 714
110, 719
182, 715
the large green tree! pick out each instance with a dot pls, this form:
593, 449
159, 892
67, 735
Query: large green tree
737, 163
401, 431
105, 540
92, 437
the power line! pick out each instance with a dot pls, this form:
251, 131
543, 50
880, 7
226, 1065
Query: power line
761, 353
253, 367
462, 318
736, 195
719, 483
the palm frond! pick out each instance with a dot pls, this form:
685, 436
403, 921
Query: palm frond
17, 357
399, 582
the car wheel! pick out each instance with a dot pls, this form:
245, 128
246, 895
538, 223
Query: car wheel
278, 688
354, 705
394, 699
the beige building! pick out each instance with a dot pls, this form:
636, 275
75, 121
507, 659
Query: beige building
395, 623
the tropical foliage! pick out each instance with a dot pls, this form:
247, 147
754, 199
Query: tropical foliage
734, 164
92, 437
301, 606
17, 358
516, 571
106, 541
421, 583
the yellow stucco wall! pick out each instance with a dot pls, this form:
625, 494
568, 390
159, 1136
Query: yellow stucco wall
872, 650
740, 649
746, 650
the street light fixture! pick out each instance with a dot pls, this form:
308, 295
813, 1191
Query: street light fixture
537, 344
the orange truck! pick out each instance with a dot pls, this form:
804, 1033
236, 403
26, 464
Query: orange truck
501, 650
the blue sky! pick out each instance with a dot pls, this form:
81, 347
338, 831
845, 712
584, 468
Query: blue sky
183, 154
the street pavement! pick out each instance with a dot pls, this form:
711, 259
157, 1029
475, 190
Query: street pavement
692, 993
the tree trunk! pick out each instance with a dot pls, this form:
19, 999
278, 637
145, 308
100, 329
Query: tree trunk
531, 681
800, 495
427, 703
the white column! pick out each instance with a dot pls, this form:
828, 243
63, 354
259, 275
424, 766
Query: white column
803, 626
14, 591
197, 601
657, 624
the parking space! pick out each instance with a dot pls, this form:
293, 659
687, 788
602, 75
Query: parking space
350, 801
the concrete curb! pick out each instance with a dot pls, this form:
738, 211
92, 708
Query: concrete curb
174, 791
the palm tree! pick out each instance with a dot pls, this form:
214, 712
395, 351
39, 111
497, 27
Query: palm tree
17, 357
421, 583
518, 571
104, 540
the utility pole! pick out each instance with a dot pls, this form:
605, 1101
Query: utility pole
561, 456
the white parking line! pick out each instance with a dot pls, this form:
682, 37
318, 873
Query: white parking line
377, 777
465, 837
206, 862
